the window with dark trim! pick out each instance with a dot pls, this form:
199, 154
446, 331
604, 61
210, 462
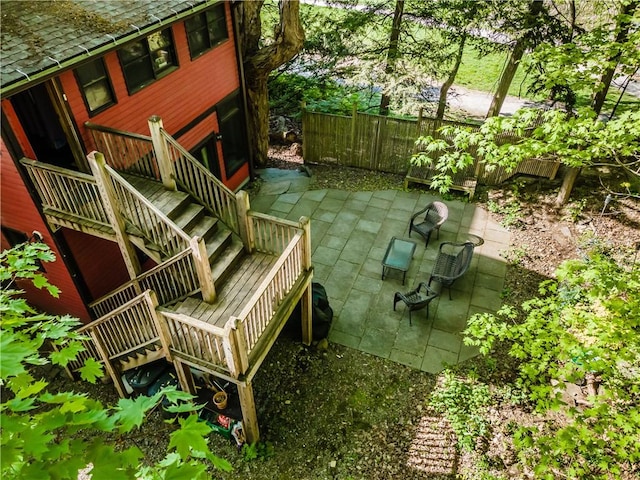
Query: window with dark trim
95, 86
206, 30
145, 61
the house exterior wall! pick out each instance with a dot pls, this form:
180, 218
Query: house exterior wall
178, 98
99, 260
184, 99
19, 212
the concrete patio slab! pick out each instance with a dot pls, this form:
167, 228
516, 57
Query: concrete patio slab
350, 233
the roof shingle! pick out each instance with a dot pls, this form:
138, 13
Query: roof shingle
39, 35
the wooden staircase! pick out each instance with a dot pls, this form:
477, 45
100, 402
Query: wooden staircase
224, 248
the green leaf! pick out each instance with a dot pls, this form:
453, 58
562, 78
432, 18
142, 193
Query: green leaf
185, 471
67, 353
130, 413
14, 354
190, 436
91, 370
21, 404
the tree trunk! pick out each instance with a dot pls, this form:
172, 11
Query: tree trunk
623, 33
259, 61
506, 78
442, 101
568, 181
392, 53
512, 66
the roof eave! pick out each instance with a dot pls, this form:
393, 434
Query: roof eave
83, 57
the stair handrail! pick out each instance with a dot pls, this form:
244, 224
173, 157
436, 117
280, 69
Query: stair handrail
150, 221
67, 191
169, 283
126, 151
199, 182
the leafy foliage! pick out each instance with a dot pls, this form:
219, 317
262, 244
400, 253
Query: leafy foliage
582, 328
464, 402
54, 434
289, 91
577, 141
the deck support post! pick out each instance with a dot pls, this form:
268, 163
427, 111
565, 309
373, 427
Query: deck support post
185, 377
167, 175
111, 370
249, 416
307, 315
203, 269
244, 222
235, 348
103, 181
307, 299
161, 324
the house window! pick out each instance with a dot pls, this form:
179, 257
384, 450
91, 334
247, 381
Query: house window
145, 61
95, 85
206, 30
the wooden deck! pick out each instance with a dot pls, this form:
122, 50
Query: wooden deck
240, 286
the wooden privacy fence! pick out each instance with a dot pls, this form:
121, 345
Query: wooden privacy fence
386, 144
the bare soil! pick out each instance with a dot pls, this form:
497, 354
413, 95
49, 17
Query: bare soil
331, 412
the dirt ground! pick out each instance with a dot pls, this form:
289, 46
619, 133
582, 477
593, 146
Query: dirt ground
337, 413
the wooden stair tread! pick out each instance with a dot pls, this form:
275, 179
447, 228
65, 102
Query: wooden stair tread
189, 216
205, 228
231, 255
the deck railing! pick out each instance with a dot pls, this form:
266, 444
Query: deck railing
195, 342
126, 151
262, 306
171, 280
124, 330
269, 234
68, 192
158, 229
193, 177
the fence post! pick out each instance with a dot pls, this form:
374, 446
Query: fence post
103, 181
162, 153
244, 222
305, 121
354, 123
203, 269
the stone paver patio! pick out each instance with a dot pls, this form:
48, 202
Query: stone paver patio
349, 235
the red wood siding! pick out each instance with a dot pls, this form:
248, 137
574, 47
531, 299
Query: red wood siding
19, 212
178, 98
99, 260
12, 120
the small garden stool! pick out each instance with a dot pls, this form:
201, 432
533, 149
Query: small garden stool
415, 299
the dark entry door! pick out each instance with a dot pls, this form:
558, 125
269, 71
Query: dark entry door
41, 124
206, 152
233, 130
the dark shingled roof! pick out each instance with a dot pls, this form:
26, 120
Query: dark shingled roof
37, 36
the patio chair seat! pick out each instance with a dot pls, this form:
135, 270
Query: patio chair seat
416, 299
452, 262
435, 214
